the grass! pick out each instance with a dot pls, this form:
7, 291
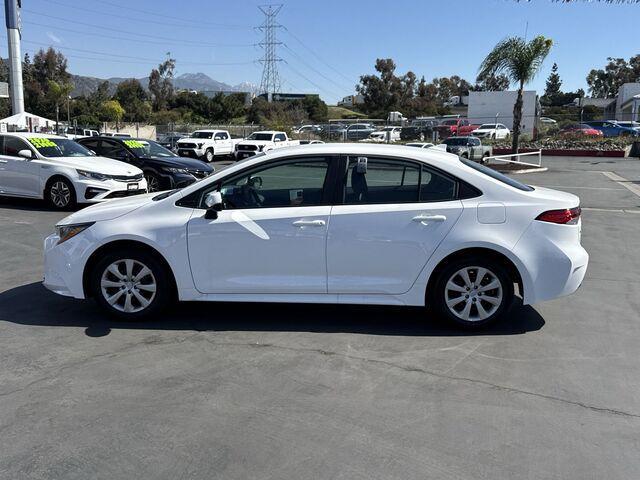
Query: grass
339, 113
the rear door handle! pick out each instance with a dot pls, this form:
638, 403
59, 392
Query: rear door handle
425, 219
309, 223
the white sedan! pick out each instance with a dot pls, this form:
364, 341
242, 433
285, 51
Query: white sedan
496, 131
62, 171
391, 133
333, 223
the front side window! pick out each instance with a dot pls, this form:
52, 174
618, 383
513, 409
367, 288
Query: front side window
294, 183
385, 181
112, 149
281, 137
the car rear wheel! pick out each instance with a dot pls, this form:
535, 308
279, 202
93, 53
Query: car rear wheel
473, 292
60, 194
130, 285
208, 155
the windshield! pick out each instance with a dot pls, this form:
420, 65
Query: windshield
59, 147
260, 136
488, 126
148, 149
202, 135
457, 141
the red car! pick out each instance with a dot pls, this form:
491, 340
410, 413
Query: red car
581, 129
455, 127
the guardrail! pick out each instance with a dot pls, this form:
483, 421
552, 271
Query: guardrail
509, 158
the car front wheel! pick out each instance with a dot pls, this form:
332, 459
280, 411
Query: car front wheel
473, 292
60, 194
208, 156
130, 285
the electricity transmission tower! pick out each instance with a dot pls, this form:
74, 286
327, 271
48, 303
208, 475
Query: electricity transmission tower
270, 82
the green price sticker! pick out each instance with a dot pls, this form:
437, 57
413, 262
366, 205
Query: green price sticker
42, 143
134, 144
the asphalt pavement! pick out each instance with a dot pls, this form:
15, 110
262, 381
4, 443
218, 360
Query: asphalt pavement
239, 391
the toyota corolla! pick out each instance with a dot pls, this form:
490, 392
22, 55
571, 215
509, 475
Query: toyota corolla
334, 223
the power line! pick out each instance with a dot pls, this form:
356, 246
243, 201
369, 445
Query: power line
191, 23
342, 87
127, 32
295, 37
308, 79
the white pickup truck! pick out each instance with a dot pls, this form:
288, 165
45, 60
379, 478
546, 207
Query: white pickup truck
206, 144
263, 142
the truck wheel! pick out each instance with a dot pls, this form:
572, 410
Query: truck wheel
464, 155
208, 155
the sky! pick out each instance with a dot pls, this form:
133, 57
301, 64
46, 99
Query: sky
326, 45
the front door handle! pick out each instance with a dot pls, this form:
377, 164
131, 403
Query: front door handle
309, 223
425, 219
3, 161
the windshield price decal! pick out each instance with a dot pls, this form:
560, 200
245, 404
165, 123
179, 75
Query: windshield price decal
135, 144
42, 143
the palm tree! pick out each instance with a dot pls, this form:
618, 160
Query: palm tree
520, 61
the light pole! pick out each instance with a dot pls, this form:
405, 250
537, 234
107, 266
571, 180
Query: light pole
68, 111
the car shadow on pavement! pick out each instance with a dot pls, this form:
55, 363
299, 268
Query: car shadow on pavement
33, 305
31, 204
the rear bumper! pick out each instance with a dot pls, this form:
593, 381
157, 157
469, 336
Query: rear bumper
554, 260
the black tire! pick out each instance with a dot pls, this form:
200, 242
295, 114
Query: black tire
60, 194
159, 277
154, 183
208, 155
484, 158
501, 298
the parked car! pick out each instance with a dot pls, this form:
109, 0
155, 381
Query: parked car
263, 142
547, 121
116, 134
316, 129
62, 172
420, 129
207, 144
419, 145
359, 131
494, 131
391, 133
580, 129
163, 169
333, 131
310, 142
170, 141
630, 124
78, 132
467, 147
334, 223
452, 127
611, 128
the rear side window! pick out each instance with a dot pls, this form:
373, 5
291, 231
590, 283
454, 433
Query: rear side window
435, 187
384, 182
497, 175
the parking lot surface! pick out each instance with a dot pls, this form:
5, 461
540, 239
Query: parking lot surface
240, 391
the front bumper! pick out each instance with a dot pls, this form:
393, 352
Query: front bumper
93, 191
63, 264
240, 154
191, 152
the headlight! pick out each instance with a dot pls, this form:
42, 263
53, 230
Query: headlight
93, 175
175, 170
65, 232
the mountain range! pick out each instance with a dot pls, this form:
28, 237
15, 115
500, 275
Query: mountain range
186, 81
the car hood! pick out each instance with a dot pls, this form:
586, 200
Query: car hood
108, 210
255, 142
192, 140
179, 162
104, 165
484, 130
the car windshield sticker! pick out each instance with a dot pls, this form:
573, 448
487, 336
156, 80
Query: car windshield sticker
42, 143
135, 144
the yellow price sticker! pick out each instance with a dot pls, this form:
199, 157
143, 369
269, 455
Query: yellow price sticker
134, 144
42, 143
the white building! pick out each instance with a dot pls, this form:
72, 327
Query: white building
627, 104
497, 107
351, 100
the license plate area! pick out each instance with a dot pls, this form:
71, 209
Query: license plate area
132, 186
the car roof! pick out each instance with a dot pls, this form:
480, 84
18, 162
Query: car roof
34, 135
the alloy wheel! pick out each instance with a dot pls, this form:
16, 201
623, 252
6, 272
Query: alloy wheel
60, 194
153, 184
128, 285
473, 294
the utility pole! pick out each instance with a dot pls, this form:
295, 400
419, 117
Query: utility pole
14, 34
270, 82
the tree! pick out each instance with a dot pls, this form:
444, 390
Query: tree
552, 93
161, 84
112, 111
492, 83
605, 83
134, 100
520, 61
58, 93
47, 66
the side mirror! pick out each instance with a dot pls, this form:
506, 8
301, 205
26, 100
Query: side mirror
276, 140
213, 202
25, 154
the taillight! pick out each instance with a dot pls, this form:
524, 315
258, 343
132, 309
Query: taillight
567, 216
